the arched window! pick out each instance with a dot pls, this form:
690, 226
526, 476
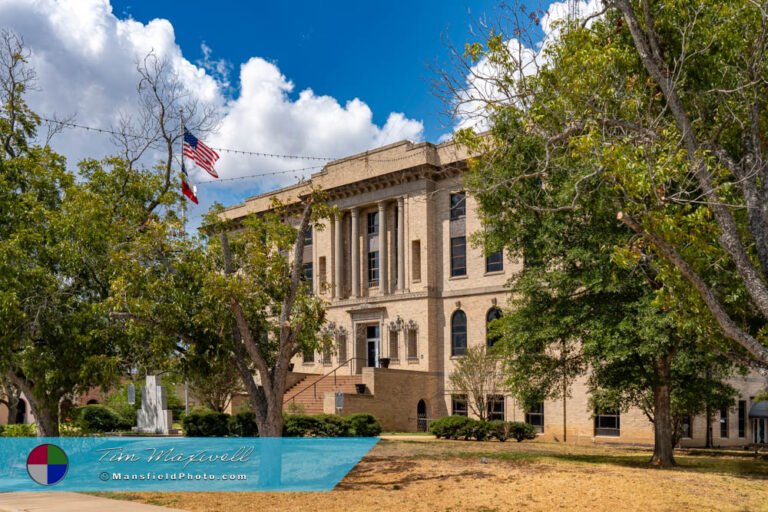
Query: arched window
493, 314
458, 333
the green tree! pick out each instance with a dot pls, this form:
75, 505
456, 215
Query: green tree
617, 115
237, 293
478, 376
660, 102
63, 239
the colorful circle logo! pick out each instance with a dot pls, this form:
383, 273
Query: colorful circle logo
47, 464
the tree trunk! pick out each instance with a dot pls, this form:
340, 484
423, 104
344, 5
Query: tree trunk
663, 444
47, 421
273, 424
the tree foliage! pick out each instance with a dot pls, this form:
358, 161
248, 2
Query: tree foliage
590, 134
661, 104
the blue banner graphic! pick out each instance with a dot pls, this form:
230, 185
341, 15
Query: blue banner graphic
177, 464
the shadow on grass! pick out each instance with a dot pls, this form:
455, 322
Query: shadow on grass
743, 467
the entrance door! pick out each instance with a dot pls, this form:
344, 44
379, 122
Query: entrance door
421, 416
372, 345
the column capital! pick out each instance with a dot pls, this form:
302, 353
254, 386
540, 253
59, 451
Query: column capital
354, 211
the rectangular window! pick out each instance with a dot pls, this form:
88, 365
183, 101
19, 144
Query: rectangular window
458, 205
608, 423
323, 275
308, 236
394, 342
413, 347
373, 268
494, 262
341, 343
373, 223
416, 260
495, 407
309, 356
535, 417
459, 405
307, 274
686, 427
742, 418
724, 422
458, 256
327, 356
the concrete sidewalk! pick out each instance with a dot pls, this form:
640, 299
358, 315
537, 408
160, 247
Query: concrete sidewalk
70, 502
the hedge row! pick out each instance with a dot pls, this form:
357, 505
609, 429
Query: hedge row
219, 424
214, 424
328, 425
462, 427
95, 419
18, 430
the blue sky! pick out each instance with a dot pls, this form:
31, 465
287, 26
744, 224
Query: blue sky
304, 78
379, 52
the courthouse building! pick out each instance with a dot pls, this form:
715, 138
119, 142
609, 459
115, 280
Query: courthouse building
407, 292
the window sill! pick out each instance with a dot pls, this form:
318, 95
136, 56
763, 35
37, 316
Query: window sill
413, 360
454, 358
456, 278
494, 273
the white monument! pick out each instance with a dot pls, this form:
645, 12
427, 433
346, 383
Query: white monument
154, 417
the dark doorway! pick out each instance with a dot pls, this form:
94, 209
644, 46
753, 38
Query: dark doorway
421, 416
21, 412
372, 345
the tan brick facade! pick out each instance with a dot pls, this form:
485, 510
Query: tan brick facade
409, 186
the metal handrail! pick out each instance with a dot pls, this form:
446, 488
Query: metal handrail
314, 384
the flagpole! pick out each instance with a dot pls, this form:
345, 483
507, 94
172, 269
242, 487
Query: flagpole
183, 199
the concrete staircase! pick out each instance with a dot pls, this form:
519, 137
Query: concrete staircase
309, 397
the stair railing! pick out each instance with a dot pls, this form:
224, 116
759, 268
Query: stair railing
332, 372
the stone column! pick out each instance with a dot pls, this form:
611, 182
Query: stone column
401, 244
338, 257
355, 249
383, 260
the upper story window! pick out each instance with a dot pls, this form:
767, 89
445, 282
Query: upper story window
458, 256
493, 314
494, 262
458, 205
458, 333
308, 236
373, 223
373, 268
307, 271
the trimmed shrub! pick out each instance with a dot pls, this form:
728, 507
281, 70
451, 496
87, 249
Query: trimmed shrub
451, 427
206, 424
500, 430
522, 431
363, 425
478, 430
95, 418
333, 426
243, 424
18, 430
301, 425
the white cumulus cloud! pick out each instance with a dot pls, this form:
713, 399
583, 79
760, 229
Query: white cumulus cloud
85, 58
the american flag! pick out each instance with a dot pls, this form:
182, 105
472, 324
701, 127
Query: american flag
201, 154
